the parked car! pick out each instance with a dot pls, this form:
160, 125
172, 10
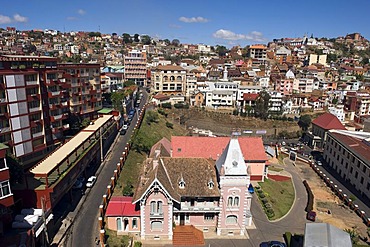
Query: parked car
123, 132
125, 127
91, 181
319, 163
272, 244
311, 216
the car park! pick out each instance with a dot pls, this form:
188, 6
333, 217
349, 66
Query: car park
272, 244
91, 181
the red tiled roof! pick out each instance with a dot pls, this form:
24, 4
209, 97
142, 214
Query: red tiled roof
356, 145
121, 206
161, 97
212, 147
250, 96
328, 121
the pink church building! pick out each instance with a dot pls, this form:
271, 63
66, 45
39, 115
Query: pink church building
208, 193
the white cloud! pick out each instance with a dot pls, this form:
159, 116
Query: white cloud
5, 19
71, 18
193, 19
19, 18
81, 12
229, 35
174, 26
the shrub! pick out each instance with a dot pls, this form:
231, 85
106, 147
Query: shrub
288, 238
138, 244
309, 206
169, 125
270, 212
264, 200
161, 111
167, 105
268, 205
125, 240
257, 187
262, 195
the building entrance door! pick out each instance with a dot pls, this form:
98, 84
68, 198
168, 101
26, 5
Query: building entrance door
182, 219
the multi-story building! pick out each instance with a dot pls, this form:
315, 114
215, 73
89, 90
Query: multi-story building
190, 188
222, 95
276, 103
6, 195
348, 153
85, 96
284, 86
135, 67
303, 85
358, 103
169, 80
33, 106
258, 52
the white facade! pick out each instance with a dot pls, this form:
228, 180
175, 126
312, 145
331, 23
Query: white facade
221, 94
338, 111
276, 101
303, 85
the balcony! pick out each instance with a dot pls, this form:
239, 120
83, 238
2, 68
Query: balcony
3, 101
38, 134
4, 130
56, 117
64, 103
34, 109
200, 207
66, 127
31, 83
156, 215
54, 94
4, 114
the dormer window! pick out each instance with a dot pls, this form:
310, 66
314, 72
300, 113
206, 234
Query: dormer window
211, 184
182, 183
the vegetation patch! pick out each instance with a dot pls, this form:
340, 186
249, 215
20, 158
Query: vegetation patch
279, 195
275, 169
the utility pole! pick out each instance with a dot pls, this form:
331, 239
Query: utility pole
44, 220
101, 145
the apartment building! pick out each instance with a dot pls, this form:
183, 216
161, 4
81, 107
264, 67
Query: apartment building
258, 52
221, 95
276, 103
303, 85
169, 80
84, 94
135, 67
358, 103
284, 86
33, 106
348, 153
6, 195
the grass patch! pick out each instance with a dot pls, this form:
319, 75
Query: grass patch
280, 195
275, 169
114, 240
146, 137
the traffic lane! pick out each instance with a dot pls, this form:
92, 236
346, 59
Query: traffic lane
86, 223
346, 187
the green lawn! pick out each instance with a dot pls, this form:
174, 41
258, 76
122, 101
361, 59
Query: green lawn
116, 241
279, 194
148, 135
275, 169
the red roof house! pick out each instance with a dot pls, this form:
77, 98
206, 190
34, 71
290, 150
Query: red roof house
121, 206
328, 121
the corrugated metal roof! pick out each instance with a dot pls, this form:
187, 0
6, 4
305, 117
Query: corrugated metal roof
325, 235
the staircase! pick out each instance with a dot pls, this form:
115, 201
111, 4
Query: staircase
187, 236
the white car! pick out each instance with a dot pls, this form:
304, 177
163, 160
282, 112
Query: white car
125, 127
319, 163
91, 181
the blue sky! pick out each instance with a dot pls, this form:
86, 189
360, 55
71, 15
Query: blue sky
211, 22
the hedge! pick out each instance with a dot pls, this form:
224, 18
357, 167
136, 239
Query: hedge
309, 206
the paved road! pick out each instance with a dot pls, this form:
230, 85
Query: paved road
85, 227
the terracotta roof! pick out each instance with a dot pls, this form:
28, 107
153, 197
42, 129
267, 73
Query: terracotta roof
356, 145
161, 97
257, 47
121, 206
169, 67
328, 121
212, 147
250, 96
216, 61
164, 146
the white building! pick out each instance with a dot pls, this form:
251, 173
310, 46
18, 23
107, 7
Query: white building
338, 111
276, 102
221, 95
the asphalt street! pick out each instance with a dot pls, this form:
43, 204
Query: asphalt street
85, 225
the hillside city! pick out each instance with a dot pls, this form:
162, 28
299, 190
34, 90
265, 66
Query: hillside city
132, 140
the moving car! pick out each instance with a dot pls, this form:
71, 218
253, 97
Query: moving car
311, 216
91, 181
272, 244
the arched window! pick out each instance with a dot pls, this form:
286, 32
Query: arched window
236, 201
156, 225
165, 78
231, 220
179, 78
229, 201
233, 201
172, 78
119, 224
134, 223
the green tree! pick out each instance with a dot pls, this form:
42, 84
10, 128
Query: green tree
175, 42
126, 38
354, 235
117, 98
146, 40
127, 190
221, 50
152, 117
167, 41
304, 122
261, 108
136, 38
